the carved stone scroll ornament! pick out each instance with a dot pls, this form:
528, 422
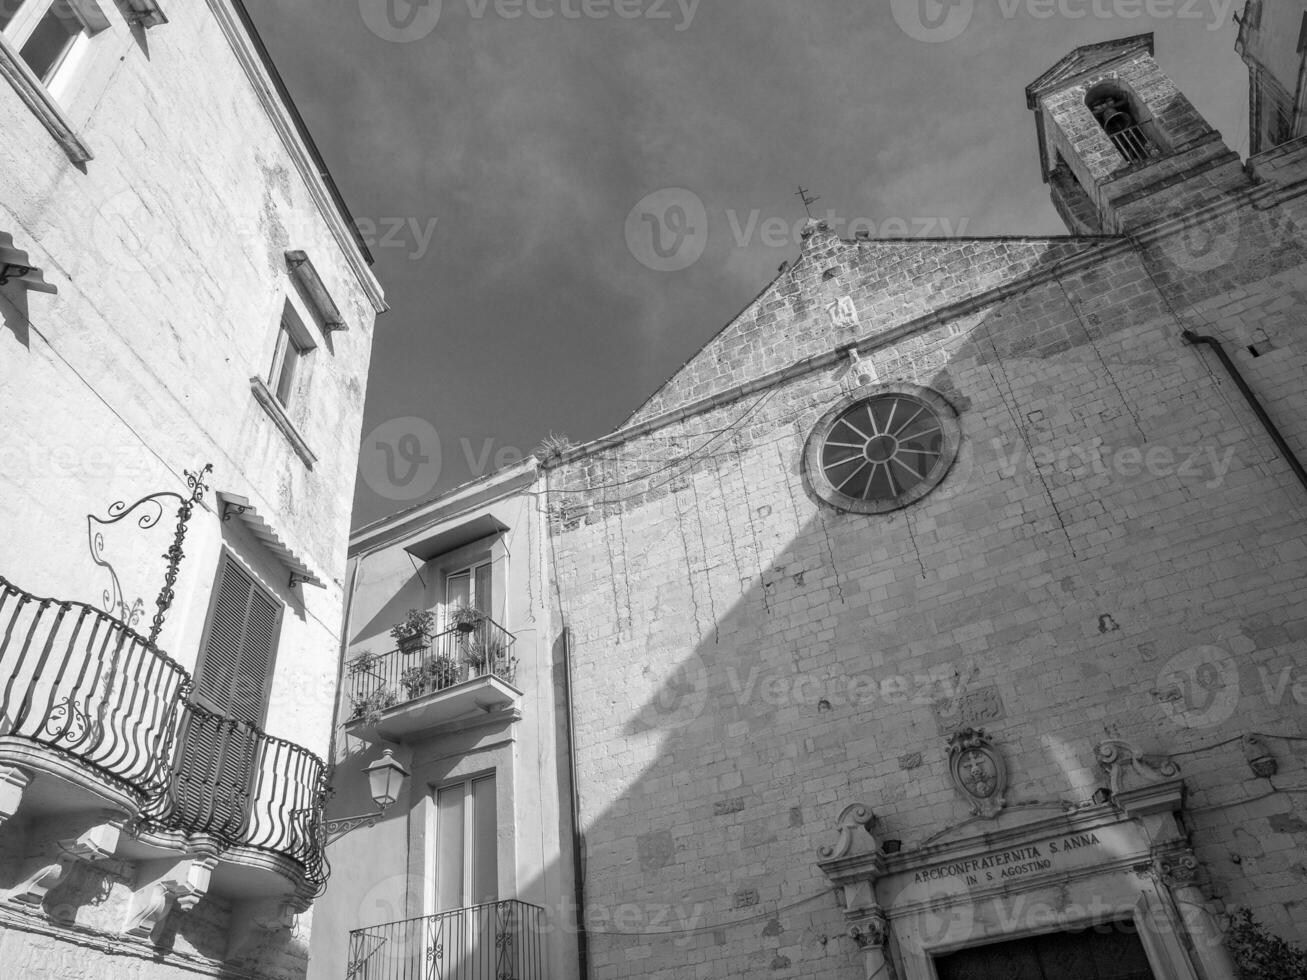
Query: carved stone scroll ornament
978, 772
1128, 767
854, 830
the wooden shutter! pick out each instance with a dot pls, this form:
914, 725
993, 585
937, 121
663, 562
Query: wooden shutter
235, 669
217, 762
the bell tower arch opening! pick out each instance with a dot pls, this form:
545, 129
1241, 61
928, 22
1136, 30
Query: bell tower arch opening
1125, 122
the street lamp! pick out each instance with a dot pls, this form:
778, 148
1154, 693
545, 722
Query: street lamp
385, 779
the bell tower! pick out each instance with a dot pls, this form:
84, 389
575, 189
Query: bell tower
1120, 146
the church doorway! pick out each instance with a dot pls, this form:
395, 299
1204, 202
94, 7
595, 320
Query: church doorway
1106, 952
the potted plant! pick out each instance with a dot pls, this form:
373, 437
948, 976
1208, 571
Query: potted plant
465, 618
415, 629
370, 707
490, 656
363, 663
435, 673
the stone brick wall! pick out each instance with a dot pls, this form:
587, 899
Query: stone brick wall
1117, 529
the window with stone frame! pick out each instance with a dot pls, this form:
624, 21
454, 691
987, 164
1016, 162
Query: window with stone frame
52, 37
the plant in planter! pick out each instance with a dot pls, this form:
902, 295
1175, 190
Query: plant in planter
433, 674
1259, 955
370, 707
415, 629
363, 663
490, 656
465, 618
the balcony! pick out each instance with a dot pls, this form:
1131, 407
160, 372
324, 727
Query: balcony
88, 689
235, 783
446, 681
500, 941
86, 699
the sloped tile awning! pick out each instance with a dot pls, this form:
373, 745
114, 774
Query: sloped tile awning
235, 507
16, 266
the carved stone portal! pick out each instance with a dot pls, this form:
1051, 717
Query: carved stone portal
978, 772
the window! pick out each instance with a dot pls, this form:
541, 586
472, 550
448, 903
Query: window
51, 36
470, 587
882, 449
290, 359
466, 871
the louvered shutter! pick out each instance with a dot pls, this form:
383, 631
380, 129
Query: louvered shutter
236, 664
217, 763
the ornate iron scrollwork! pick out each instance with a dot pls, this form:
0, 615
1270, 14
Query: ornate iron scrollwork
114, 601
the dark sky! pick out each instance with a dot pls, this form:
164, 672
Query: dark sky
514, 149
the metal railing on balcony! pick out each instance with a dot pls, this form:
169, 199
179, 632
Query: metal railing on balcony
78, 681
231, 780
500, 941
375, 683
1135, 144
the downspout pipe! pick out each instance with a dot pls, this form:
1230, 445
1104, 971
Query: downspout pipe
1194, 339
578, 843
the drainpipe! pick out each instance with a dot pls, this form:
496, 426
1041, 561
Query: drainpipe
578, 846
1295, 464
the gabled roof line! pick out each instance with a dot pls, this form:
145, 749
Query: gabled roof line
1124, 45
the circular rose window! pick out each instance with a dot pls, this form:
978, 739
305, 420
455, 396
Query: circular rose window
882, 449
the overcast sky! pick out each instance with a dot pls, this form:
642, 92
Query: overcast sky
513, 139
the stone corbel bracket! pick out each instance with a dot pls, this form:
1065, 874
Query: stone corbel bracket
99, 843
168, 885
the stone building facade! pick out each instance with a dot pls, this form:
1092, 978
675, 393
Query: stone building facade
186, 321
1273, 43
950, 602
943, 617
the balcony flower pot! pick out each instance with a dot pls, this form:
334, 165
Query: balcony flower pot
415, 631
466, 619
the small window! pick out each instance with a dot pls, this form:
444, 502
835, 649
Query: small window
290, 359
51, 36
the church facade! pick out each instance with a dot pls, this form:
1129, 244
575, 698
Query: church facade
944, 617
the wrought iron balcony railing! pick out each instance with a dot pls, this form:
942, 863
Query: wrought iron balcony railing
375, 683
231, 780
82, 683
499, 941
